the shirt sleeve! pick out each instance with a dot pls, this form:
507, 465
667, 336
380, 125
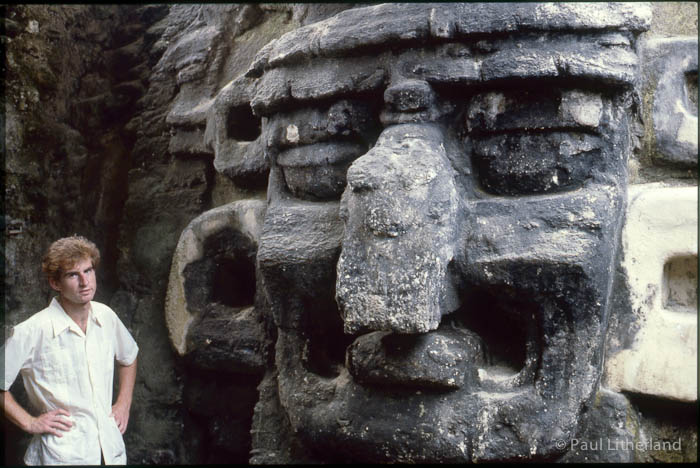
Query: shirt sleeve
126, 348
16, 352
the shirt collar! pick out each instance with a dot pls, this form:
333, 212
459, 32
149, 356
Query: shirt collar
62, 321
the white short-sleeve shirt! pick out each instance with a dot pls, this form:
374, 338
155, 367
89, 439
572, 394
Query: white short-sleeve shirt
62, 367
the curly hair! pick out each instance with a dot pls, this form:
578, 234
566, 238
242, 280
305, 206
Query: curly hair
66, 252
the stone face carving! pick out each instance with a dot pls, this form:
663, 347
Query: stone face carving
446, 192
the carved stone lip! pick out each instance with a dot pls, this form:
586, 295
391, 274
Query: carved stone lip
447, 359
438, 360
450, 358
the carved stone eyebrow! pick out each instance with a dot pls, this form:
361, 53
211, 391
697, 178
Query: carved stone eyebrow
321, 79
404, 25
357, 50
607, 59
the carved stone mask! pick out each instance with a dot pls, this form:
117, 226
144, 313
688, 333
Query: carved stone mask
445, 200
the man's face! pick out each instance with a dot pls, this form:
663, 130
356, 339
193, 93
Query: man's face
77, 284
437, 248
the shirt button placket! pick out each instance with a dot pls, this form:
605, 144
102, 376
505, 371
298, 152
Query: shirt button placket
92, 376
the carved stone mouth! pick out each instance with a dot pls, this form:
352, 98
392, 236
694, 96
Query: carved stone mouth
447, 359
444, 359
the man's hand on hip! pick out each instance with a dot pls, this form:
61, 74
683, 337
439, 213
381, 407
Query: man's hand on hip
52, 422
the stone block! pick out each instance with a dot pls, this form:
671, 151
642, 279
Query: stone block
660, 261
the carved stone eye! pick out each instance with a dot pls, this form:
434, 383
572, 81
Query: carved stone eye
318, 171
315, 146
233, 133
241, 124
535, 140
529, 163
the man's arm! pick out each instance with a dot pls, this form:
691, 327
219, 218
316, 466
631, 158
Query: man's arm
120, 409
52, 422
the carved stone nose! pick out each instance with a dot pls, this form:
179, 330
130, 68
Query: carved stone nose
399, 210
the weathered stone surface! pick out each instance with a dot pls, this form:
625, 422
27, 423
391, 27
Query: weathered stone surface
436, 360
196, 59
316, 146
672, 68
233, 132
186, 302
668, 431
400, 211
660, 246
359, 29
609, 59
610, 434
221, 407
228, 340
316, 248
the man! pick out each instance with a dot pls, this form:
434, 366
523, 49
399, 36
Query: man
66, 354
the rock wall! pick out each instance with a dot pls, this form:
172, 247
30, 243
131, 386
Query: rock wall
132, 125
